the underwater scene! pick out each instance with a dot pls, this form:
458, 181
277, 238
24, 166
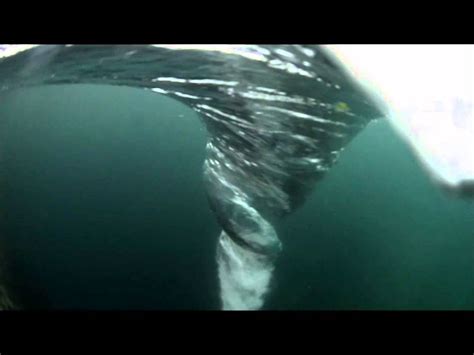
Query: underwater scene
251, 177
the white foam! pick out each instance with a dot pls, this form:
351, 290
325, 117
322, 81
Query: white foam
244, 276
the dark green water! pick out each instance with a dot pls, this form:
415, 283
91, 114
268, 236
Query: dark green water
104, 208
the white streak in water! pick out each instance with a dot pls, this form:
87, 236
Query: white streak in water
186, 95
160, 91
305, 116
168, 79
249, 52
213, 82
262, 96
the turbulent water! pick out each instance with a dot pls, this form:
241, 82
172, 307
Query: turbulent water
277, 119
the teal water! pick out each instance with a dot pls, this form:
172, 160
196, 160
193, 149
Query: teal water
377, 234
104, 200
104, 208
